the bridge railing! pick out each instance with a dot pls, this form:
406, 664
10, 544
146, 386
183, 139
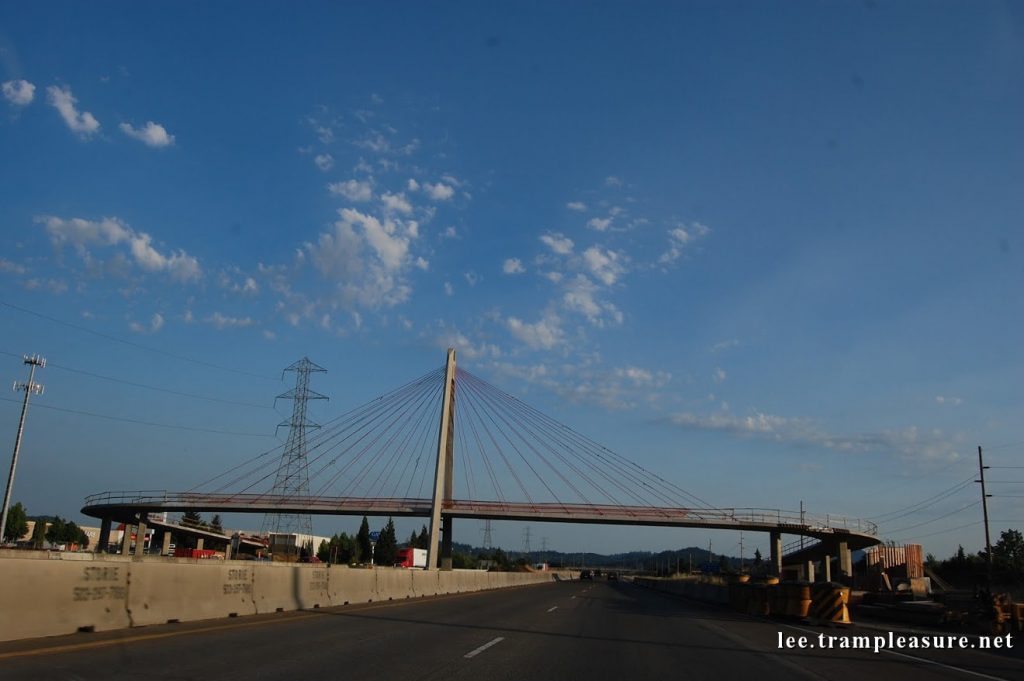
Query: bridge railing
793, 521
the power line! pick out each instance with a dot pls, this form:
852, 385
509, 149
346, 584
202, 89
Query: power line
148, 387
139, 422
929, 522
923, 504
140, 346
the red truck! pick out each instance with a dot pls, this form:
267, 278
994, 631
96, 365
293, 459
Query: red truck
411, 558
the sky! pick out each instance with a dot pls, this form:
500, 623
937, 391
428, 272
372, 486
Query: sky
771, 251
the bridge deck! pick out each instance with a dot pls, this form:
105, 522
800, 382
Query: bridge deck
124, 506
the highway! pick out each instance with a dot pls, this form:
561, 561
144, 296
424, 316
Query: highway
570, 630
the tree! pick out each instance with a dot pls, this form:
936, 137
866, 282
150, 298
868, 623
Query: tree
39, 533
191, 518
323, 552
64, 532
413, 540
215, 525
387, 545
757, 558
423, 541
17, 523
1008, 553
363, 541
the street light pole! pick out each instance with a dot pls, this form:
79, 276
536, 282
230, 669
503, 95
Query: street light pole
29, 388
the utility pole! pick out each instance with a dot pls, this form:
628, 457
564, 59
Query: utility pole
741, 552
802, 523
30, 388
984, 510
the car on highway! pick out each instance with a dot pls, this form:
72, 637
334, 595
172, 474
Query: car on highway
613, 577
586, 575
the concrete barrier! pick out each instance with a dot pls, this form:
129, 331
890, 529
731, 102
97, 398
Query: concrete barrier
425, 582
394, 584
48, 594
185, 591
352, 585
290, 587
52, 597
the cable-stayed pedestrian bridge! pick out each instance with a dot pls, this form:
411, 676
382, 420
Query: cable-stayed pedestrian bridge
398, 454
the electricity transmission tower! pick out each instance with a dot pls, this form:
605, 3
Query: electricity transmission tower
293, 473
488, 545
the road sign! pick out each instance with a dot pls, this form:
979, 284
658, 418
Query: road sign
375, 536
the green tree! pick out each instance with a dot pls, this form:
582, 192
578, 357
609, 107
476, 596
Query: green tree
387, 545
758, 559
215, 525
191, 518
413, 539
323, 552
17, 523
1008, 553
423, 541
39, 533
363, 541
55, 533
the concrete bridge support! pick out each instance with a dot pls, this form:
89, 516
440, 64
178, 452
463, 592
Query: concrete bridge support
126, 540
104, 538
845, 561
140, 539
809, 571
776, 553
826, 563
165, 549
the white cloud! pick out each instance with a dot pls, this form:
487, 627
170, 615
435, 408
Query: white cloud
606, 266
581, 296
577, 206
612, 181
951, 401
84, 123
19, 92
353, 190
366, 258
644, 378
544, 334
12, 267
513, 266
439, 191
719, 374
679, 238
599, 224
152, 134
908, 443
81, 234
221, 321
396, 203
156, 323
449, 233
413, 185
449, 290
472, 278
466, 348
558, 243
724, 345
324, 162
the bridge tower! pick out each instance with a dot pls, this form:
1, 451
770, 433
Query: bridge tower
293, 472
443, 476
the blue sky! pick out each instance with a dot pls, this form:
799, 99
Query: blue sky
769, 250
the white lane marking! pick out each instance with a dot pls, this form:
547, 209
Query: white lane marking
553, 608
572, 597
919, 659
484, 647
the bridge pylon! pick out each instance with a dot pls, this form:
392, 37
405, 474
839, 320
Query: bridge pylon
440, 557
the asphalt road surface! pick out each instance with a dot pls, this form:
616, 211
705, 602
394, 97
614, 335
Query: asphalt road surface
562, 631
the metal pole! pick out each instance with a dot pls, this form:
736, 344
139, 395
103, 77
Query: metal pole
29, 388
984, 509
